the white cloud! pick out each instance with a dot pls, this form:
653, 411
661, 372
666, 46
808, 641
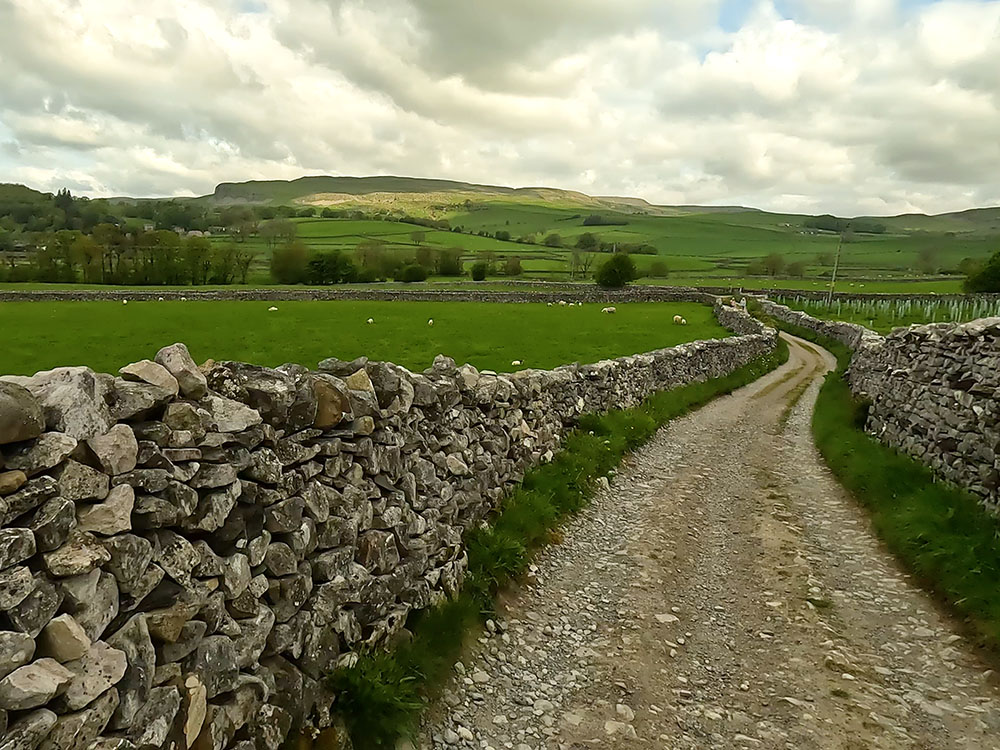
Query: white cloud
851, 106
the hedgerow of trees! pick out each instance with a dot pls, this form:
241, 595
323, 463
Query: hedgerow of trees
986, 278
829, 223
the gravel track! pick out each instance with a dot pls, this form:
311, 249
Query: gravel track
724, 592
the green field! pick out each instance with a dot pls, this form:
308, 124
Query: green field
401, 221
705, 248
108, 335
884, 315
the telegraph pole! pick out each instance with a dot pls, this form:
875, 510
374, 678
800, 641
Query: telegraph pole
836, 265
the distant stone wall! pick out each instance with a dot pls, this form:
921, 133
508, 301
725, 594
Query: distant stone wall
934, 392
186, 551
406, 293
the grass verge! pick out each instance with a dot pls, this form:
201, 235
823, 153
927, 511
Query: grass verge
940, 532
381, 697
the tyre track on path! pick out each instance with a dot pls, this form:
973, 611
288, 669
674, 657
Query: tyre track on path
724, 592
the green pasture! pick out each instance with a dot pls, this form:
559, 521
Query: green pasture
884, 315
716, 246
108, 335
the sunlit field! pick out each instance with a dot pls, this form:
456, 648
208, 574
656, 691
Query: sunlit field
107, 335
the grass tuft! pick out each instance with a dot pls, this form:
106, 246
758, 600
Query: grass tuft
382, 696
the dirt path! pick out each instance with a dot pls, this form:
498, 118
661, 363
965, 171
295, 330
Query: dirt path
725, 593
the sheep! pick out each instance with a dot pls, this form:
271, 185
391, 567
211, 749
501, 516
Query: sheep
160, 299
430, 322
124, 301
272, 309
562, 303
677, 320
548, 304
370, 321
515, 363
609, 310
684, 321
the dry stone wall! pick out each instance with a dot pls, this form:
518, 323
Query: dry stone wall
186, 551
934, 392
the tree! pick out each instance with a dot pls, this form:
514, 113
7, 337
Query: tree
580, 263
370, 255
553, 240
479, 270
418, 238
503, 235
90, 257
277, 231
513, 266
330, 268
658, 270
490, 259
825, 259
449, 262
587, 241
774, 264
927, 261
971, 266
196, 259
412, 273
796, 269
63, 200
987, 279
425, 257
289, 262
616, 271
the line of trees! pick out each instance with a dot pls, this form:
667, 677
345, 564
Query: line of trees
829, 223
295, 263
775, 265
110, 256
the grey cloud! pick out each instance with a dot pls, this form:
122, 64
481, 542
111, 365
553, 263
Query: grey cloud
637, 97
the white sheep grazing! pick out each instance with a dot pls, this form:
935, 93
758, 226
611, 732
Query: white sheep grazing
684, 321
430, 322
562, 303
371, 320
548, 304
609, 310
272, 309
515, 363
160, 299
677, 320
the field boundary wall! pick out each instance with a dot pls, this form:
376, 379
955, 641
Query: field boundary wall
186, 551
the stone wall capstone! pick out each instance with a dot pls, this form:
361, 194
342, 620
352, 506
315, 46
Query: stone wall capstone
934, 392
186, 551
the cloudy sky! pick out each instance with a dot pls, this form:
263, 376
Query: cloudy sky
848, 106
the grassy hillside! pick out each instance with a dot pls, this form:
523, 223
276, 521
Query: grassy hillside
689, 245
702, 248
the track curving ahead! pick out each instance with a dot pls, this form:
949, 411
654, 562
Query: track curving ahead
725, 593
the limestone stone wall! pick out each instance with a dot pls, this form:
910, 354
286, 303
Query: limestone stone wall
934, 392
186, 551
